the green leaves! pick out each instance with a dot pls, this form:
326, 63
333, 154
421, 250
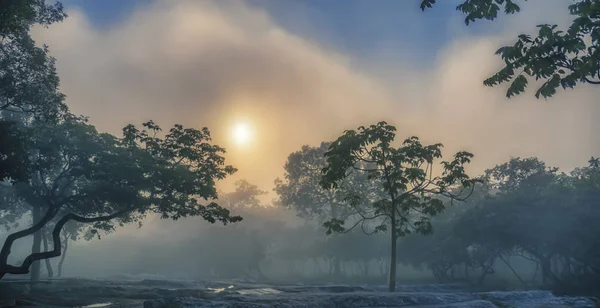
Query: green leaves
517, 86
427, 4
480, 9
334, 225
14, 160
90, 174
405, 173
560, 58
16, 17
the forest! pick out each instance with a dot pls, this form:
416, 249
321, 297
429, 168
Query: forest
372, 206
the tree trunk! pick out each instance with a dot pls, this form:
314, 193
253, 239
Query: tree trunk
547, 273
392, 285
513, 271
383, 268
62, 258
48, 264
535, 273
36, 213
318, 268
25, 267
337, 268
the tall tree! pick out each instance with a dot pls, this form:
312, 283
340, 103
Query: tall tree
412, 193
562, 58
97, 178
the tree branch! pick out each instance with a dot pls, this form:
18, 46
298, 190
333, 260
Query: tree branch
6, 248
24, 267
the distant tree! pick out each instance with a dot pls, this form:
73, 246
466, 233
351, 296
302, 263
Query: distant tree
300, 190
523, 217
412, 191
560, 58
96, 178
71, 232
245, 195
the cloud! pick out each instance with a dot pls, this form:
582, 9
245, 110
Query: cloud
208, 63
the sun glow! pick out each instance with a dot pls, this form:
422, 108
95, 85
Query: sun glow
241, 133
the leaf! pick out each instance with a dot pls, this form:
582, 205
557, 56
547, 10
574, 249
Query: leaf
517, 86
427, 4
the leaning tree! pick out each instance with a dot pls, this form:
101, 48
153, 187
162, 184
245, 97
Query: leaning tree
412, 192
96, 178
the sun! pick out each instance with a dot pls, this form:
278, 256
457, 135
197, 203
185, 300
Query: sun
241, 133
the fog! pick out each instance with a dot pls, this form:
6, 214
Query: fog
294, 77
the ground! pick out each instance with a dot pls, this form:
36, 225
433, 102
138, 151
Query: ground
163, 293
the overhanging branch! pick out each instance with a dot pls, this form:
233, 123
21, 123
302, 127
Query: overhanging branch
56, 251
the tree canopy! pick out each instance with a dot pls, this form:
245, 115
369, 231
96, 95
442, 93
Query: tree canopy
560, 58
93, 177
411, 192
300, 189
28, 80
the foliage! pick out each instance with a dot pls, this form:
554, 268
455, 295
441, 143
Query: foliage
28, 80
406, 174
17, 16
530, 212
14, 161
245, 195
92, 177
561, 58
412, 194
301, 190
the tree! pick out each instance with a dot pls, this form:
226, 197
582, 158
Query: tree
14, 163
103, 180
28, 80
560, 58
412, 192
73, 231
526, 216
246, 195
301, 190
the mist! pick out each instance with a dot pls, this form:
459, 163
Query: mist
227, 147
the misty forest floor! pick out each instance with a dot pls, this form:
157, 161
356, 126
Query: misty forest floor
168, 293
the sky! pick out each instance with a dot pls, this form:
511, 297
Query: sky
301, 72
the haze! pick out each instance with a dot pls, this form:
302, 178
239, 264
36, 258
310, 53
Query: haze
302, 72
268, 77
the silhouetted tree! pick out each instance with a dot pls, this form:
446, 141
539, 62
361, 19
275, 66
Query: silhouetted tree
406, 173
96, 178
